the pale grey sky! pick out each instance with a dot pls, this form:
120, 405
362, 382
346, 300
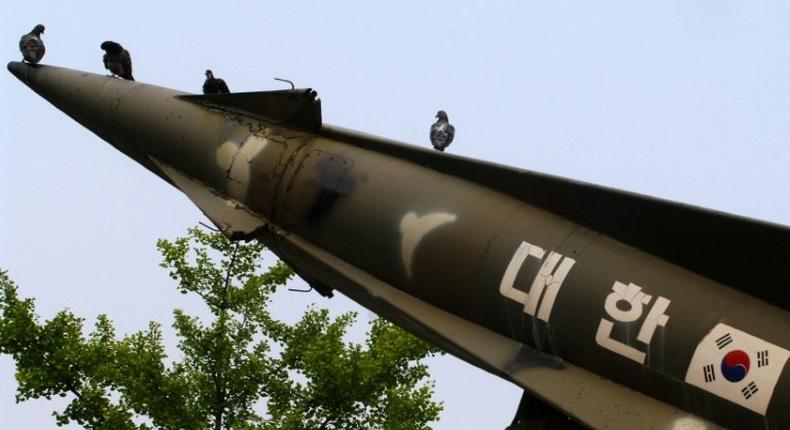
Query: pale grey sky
687, 101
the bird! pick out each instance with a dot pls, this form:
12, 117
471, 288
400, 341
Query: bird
117, 60
214, 85
442, 132
31, 45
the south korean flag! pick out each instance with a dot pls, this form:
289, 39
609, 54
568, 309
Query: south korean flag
738, 367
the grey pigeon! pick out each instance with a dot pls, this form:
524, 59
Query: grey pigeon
31, 45
214, 85
117, 60
442, 132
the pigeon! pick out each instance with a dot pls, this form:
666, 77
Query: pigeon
442, 132
214, 85
31, 45
117, 60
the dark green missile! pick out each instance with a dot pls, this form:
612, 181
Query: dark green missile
618, 310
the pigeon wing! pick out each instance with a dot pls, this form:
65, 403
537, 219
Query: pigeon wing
223, 87
32, 48
126, 65
26, 42
212, 86
114, 65
450, 134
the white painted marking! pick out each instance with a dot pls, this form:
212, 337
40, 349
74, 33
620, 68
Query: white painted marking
755, 389
630, 293
635, 301
539, 283
240, 165
544, 280
603, 338
655, 318
506, 286
413, 229
553, 285
225, 154
240, 171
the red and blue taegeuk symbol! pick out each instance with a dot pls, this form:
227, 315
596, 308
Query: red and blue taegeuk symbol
735, 365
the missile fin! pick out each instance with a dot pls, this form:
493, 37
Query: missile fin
585, 396
231, 217
296, 108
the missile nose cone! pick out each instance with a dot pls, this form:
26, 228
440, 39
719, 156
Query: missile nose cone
18, 69
144, 121
119, 111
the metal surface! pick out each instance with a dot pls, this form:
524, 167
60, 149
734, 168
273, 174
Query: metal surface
620, 310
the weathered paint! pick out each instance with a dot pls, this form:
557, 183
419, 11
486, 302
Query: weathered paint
498, 260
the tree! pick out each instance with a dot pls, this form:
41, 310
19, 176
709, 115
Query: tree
307, 376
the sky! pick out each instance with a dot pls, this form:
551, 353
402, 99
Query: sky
687, 101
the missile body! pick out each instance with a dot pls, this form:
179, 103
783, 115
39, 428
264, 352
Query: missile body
546, 282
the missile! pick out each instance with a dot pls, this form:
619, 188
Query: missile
612, 309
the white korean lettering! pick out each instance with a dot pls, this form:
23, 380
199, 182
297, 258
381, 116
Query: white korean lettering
631, 302
546, 284
630, 294
552, 283
655, 318
506, 287
603, 337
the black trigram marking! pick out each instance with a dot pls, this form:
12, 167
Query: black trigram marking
749, 390
762, 358
710, 375
724, 341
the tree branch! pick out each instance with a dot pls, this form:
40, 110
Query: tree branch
219, 377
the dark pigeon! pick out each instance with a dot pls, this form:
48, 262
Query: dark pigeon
117, 60
214, 85
31, 45
442, 132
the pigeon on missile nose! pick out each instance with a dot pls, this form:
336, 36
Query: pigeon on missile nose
442, 132
117, 60
214, 85
31, 45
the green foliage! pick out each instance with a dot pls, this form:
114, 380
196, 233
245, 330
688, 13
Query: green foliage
307, 376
